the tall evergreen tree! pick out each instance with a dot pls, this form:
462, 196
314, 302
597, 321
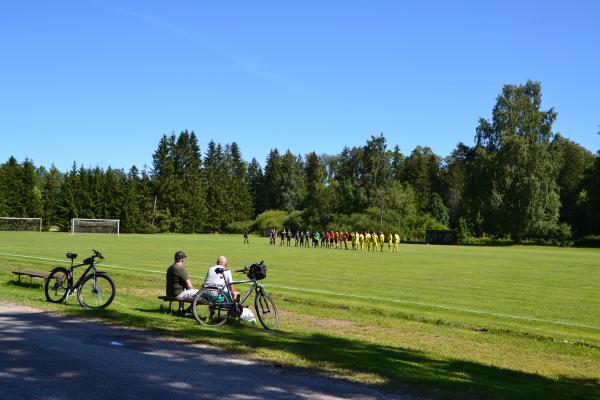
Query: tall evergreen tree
239, 194
314, 173
195, 206
273, 181
422, 170
292, 181
216, 179
166, 184
131, 216
12, 173
69, 201
51, 197
30, 193
452, 177
255, 181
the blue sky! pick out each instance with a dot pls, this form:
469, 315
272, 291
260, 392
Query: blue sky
99, 82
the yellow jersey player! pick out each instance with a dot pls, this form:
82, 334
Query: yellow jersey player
381, 241
375, 239
390, 240
362, 241
396, 241
368, 240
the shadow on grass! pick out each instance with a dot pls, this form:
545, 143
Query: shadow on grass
401, 369
26, 284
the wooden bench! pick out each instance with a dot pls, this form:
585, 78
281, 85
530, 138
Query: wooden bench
31, 275
180, 304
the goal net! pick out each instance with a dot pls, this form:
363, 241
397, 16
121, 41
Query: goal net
20, 224
87, 225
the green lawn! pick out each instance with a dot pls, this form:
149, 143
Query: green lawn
476, 322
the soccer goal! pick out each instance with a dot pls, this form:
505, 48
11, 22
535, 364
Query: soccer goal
20, 224
89, 225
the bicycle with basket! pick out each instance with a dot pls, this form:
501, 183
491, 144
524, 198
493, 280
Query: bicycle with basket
213, 306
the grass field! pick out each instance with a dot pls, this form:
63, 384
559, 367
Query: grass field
447, 321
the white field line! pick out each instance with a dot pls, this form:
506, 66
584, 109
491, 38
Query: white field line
415, 303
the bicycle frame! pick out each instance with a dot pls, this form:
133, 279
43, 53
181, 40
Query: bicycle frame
256, 287
73, 286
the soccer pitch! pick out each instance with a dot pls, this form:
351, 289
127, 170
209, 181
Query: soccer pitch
493, 322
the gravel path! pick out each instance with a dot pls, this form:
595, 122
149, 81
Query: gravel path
45, 356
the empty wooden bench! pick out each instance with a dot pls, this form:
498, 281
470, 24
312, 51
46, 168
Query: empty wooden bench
180, 304
31, 275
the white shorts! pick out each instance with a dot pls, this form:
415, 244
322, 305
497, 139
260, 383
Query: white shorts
187, 294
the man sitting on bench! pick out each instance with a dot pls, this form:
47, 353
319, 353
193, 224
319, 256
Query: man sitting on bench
214, 279
178, 281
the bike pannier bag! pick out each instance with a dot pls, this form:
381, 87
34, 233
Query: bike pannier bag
258, 271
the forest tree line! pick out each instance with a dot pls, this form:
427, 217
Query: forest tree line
520, 180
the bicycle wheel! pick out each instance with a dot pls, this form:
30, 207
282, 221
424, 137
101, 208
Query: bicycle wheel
57, 285
266, 311
96, 291
210, 308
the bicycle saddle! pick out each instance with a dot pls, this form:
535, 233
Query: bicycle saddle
72, 256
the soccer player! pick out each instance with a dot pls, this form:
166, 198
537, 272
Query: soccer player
368, 240
283, 236
375, 239
396, 241
361, 241
390, 240
381, 241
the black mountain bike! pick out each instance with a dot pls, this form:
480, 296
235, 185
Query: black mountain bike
94, 289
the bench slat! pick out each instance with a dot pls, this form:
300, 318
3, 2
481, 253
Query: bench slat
33, 274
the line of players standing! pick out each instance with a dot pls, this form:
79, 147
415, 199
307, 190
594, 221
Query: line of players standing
336, 239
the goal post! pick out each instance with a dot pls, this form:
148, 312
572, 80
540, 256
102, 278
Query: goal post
92, 225
20, 224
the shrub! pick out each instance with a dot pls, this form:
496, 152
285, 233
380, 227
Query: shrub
239, 226
271, 219
588, 241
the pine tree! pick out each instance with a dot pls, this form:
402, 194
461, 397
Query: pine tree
12, 172
193, 207
216, 179
273, 181
51, 197
166, 185
239, 195
255, 181
69, 201
31, 198
292, 181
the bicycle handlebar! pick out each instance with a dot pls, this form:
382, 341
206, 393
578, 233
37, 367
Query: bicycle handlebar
97, 254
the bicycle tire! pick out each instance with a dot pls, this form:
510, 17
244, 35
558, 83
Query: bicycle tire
57, 285
266, 310
207, 311
96, 294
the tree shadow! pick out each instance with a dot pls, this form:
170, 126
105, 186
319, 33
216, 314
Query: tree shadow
400, 368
